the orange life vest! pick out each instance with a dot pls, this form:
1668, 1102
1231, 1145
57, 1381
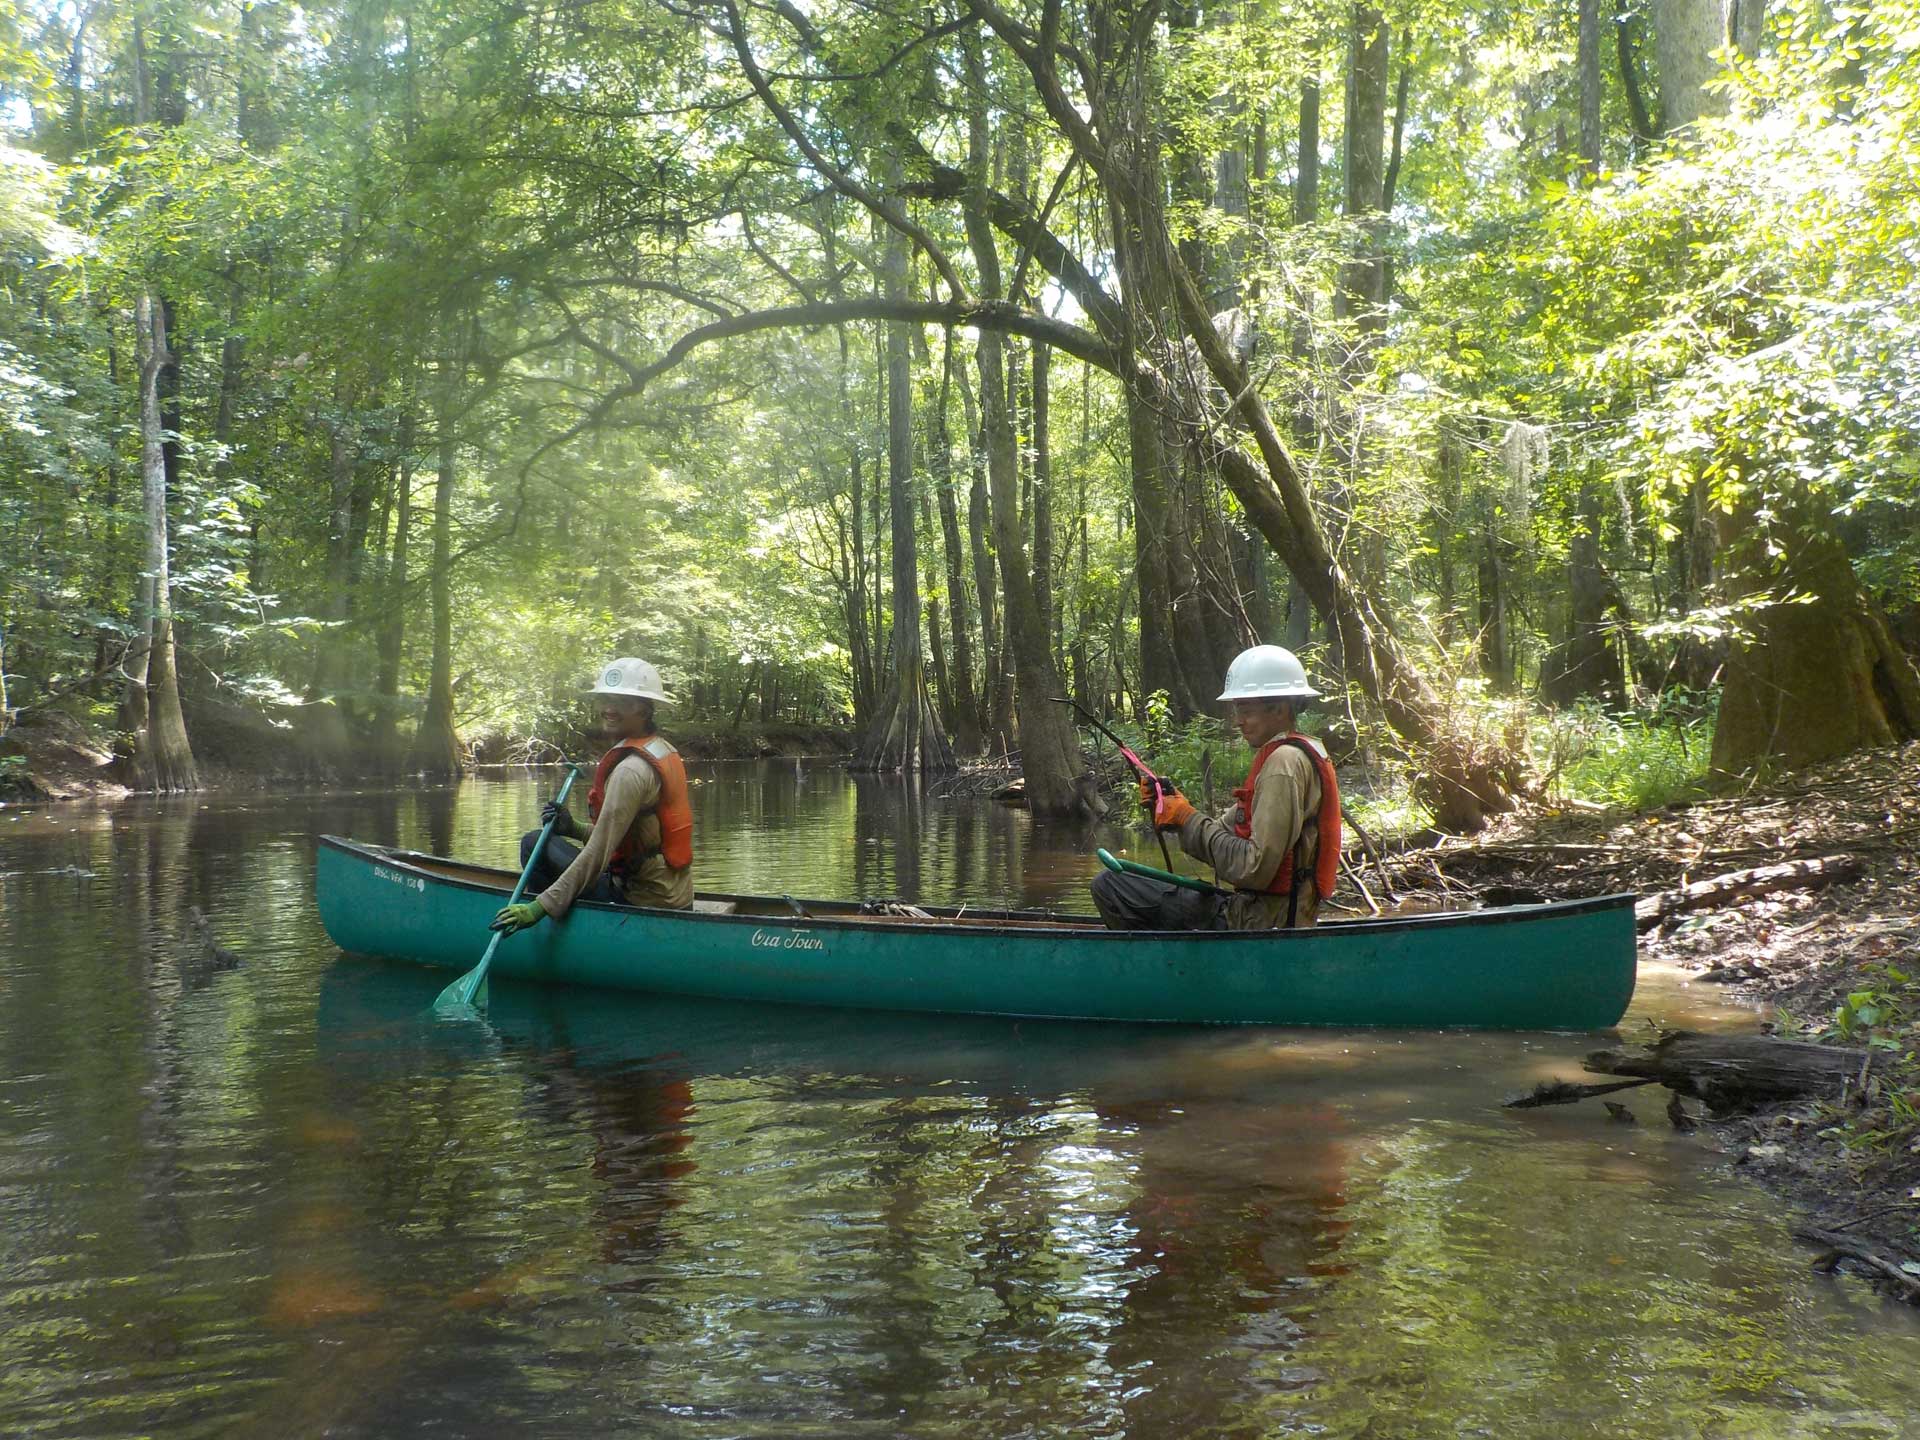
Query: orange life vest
673, 808
1326, 866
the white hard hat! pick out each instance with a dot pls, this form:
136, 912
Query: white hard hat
630, 676
1267, 672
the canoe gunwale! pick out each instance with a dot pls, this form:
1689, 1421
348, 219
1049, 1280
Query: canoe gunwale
1040, 923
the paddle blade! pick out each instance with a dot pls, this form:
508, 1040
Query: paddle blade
468, 995
458, 999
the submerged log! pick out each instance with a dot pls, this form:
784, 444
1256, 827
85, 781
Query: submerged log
208, 950
1736, 1072
1565, 1092
1741, 884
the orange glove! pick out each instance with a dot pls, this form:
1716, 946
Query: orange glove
1170, 808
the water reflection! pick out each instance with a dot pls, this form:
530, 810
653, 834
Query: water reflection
283, 1197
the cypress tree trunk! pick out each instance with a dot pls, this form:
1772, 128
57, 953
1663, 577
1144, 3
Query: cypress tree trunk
1042, 490
966, 705
1057, 781
1816, 678
996, 702
393, 617
162, 758
906, 733
436, 744
325, 720
1172, 641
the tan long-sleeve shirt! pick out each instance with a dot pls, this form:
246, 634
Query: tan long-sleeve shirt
1286, 809
633, 789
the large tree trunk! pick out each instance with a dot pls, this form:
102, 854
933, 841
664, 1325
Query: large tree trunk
1057, 781
1586, 664
1496, 648
1587, 64
162, 758
906, 734
436, 744
1360, 289
1361, 296
1306, 211
1685, 35
393, 619
966, 705
1043, 488
1173, 651
996, 690
324, 716
1818, 676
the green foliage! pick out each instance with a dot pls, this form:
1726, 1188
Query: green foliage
1634, 761
412, 240
1878, 1014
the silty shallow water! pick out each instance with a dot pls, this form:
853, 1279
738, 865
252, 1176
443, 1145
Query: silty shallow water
281, 1199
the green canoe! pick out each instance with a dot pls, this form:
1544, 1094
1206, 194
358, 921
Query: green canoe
1566, 966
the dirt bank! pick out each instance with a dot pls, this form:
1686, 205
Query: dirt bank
1839, 961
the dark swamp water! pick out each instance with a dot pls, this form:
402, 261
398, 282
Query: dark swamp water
281, 1200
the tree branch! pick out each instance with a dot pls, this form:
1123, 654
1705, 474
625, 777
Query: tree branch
892, 215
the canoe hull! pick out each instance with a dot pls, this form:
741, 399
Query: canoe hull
1566, 966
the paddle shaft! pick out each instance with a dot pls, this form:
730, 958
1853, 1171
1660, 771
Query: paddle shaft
1160, 786
462, 991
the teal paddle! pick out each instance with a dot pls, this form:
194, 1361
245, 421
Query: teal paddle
1133, 867
469, 992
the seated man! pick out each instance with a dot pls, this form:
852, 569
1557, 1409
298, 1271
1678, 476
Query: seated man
1278, 845
639, 849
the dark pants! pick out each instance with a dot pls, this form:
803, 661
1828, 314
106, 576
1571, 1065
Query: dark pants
1133, 902
553, 863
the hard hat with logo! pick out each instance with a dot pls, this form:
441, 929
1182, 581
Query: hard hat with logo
632, 677
1267, 672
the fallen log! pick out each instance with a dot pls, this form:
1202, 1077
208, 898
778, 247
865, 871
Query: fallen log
1738, 1072
1741, 884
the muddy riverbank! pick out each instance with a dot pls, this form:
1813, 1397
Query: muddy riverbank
1834, 950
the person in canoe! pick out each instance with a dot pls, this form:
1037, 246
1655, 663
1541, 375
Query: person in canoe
638, 850
1278, 845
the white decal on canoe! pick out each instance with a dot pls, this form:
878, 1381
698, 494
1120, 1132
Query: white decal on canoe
412, 882
786, 940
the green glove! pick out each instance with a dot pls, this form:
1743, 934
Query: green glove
564, 825
512, 919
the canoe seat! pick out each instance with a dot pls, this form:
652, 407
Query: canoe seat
716, 907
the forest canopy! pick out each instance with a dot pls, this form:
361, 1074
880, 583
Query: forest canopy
376, 370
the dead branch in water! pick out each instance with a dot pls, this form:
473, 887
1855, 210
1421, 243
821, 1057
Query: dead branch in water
1567, 1092
1852, 1247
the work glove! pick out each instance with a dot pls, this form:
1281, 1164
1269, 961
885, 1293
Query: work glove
564, 825
512, 919
1169, 807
